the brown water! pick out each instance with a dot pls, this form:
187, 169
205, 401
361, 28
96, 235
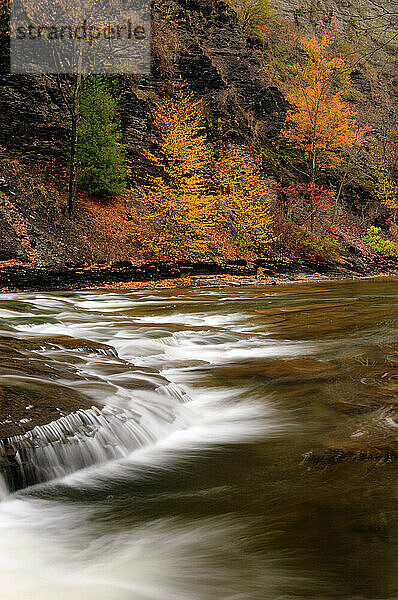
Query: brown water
240, 495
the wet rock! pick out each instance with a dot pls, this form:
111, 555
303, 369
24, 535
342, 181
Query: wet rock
372, 436
8, 343
27, 367
32, 391
25, 404
77, 440
31, 278
64, 341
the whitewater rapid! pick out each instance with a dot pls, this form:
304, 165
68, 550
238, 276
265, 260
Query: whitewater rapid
155, 379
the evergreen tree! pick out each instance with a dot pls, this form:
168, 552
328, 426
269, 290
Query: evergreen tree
100, 155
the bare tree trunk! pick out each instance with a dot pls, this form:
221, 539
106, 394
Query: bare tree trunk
313, 177
73, 146
314, 163
337, 201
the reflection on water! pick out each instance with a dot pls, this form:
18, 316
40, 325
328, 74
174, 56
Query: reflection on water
239, 387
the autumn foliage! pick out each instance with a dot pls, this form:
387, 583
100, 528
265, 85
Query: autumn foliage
195, 197
321, 125
182, 210
244, 197
308, 205
255, 16
382, 165
308, 245
374, 240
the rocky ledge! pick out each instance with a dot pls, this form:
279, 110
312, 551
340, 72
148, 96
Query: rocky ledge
38, 393
47, 427
14, 276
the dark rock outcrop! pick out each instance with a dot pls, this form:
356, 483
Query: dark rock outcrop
213, 61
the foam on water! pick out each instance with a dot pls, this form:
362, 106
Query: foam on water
77, 441
167, 421
174, 415
213, 418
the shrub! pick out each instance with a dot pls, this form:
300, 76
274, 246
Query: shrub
308, 245
307, 205
254, 16
375, 241
100, 155
276, 64
317, 248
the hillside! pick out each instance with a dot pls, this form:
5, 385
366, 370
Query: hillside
243, 79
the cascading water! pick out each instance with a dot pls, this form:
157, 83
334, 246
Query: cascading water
130, 419
73, 442
148, 413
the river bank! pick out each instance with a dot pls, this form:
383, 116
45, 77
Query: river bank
16, 276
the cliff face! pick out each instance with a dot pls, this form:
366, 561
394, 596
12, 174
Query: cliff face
211, 57
205, 53
213, 60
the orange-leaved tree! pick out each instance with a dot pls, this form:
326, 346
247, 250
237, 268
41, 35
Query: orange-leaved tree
183, 211
244, 198
321, 124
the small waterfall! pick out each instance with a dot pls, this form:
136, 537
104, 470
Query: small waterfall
3, 488
73, 442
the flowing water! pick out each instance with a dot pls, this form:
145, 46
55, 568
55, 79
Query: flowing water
194, 476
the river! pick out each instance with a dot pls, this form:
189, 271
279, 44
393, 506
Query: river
241, 394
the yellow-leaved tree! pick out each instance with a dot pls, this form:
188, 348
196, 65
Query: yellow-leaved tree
245, 198
183, 211
195, 201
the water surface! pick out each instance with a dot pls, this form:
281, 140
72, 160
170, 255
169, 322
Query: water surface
238, 387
